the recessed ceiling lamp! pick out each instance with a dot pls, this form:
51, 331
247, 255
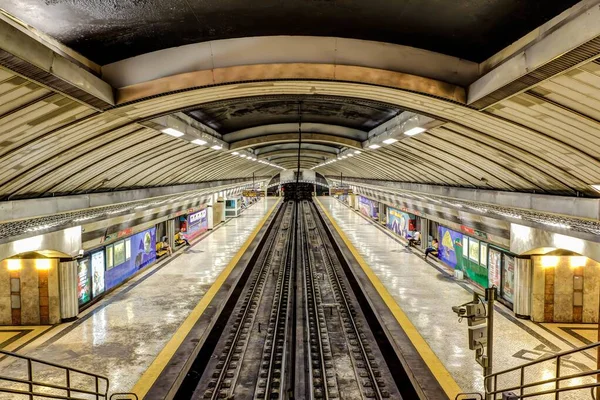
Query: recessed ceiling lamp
356, 152
374, 146
243, 155
199, 142
216, 147
235, 153
344, 156
415, 131
172, 132
390, 141
350, 155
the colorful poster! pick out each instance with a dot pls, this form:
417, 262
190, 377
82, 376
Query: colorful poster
368, 207
450, 247
401, 223
508, 278
474, 250
98, 273
143, 253
483, 251
494, 266
197, 224
84, 289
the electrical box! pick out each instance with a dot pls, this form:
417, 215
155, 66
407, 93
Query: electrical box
477, 336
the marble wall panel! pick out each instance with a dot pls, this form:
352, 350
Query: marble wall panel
563, 291
537, 290
54, 293
30, 294
591, 291
5, 304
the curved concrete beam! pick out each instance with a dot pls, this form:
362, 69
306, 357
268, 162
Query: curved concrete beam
293, 137
291, 127
297, 71
291, 152
276, 49
331, 150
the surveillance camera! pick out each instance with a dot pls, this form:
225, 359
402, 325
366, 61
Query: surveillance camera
459, 310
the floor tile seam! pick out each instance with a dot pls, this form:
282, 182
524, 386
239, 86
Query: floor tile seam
124, 289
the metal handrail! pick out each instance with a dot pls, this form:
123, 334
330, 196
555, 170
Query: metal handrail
33, 386
491, 394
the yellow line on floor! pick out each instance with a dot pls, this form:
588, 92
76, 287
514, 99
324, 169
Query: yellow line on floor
144, 384
438, 369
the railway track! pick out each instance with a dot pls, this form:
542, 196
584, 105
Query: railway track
263, 354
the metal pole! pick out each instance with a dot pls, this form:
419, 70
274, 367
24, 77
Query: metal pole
341, 179
490, 294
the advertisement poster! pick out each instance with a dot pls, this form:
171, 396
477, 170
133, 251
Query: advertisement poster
450, 247
494, 267
401, 223
474, 250
197, 224
508, 277
98, 273
143, 253
368, 207
84, 288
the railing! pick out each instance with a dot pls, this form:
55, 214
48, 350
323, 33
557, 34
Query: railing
96, 386
528, 390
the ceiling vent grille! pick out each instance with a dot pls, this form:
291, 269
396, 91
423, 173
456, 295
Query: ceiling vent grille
579, 55
36, 74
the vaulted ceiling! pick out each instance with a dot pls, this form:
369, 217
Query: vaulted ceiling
538, 133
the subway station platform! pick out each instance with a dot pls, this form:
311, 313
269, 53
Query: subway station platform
131, 334
425, 293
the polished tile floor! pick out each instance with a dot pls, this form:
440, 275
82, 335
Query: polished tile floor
426, 296
121, 335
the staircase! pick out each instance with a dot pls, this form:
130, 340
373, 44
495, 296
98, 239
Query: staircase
566, 377
31, 378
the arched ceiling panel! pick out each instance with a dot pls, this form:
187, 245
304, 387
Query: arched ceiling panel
530, 142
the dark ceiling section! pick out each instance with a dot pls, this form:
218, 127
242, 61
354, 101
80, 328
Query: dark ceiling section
110, 30
231, 116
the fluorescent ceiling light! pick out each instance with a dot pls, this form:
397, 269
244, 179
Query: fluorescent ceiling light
344, 156
356, 152
390, 141
235, 153
415, 131
172, 132
216, 147
199, 142
350, 155
374, 146
596, 187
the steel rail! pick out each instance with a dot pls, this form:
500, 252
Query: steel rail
310, 282
346, 305
280, 308
256, 286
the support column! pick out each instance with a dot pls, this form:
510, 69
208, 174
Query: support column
69, 305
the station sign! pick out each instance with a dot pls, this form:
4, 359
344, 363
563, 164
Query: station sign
341, 191
253, 193
473, 232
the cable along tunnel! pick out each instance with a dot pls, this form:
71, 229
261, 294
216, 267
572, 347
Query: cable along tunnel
297, 329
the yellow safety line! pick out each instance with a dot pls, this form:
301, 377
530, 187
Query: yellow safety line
144, 384
435, 365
